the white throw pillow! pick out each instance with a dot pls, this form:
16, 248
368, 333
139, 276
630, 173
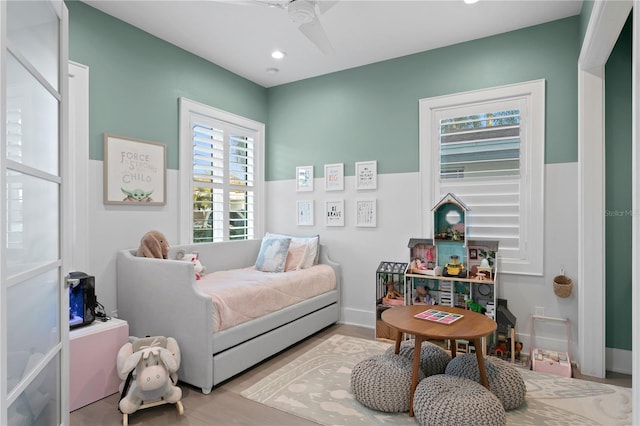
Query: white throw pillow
312, 254
273, 254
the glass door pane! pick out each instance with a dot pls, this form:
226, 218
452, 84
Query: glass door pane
33, 30
32, 222
31, 335
32, 120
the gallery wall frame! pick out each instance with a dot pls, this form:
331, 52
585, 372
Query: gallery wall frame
134, 171
334, 212
366, 175
366, 213
304, 212
334, 177
304, 178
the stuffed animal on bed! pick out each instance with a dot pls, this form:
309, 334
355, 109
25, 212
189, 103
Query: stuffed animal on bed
153, 363
153, 244
195, 259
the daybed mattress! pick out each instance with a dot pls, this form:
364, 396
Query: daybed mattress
240, 295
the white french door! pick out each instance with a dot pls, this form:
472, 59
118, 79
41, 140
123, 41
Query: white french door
33, 295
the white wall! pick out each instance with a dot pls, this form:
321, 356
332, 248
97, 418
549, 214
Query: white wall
360, 250
116, 227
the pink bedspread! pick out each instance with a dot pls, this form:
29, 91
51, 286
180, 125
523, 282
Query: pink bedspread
241, 295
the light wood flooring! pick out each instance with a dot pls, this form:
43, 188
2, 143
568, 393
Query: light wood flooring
225, 406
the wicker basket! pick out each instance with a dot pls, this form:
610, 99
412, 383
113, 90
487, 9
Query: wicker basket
562, 286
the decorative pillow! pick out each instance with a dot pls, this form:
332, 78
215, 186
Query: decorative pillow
295, 256
313, 252
273, 254
312, 256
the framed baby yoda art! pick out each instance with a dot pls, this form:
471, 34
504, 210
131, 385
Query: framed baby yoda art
134, 171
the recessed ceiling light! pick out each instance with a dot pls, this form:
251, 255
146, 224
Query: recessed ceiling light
470, 1
272, 71
278, 54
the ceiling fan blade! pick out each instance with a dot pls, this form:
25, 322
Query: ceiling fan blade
314, 32
324, 5
280, 4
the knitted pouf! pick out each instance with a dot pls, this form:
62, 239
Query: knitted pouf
449, 400
504, 379
383, 382
433, 359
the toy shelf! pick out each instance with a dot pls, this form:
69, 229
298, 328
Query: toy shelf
551, 361
390, 291
443, 278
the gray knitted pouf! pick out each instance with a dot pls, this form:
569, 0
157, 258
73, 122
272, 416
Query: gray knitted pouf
504, 379
433, 359
383, 382
449, 400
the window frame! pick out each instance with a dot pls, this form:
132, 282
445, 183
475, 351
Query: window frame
188, 107
532, 230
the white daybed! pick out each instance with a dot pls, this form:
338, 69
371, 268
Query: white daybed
162, 297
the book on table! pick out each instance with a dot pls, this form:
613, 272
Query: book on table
436, 315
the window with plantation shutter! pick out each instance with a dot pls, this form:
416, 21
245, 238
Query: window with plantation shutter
220, 170
487, 148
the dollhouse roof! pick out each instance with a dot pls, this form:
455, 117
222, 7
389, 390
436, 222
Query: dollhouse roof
504, 318
415, 241
450, 198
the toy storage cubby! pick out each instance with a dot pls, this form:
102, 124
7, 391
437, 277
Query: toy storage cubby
390, 291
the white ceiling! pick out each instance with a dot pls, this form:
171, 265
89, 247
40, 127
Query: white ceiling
239, 35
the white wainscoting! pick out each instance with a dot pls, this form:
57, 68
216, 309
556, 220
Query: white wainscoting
360, 249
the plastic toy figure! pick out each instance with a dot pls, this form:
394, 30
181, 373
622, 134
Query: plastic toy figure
454, 268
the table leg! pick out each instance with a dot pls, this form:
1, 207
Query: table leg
452, 345
398, 341
480, 358
416, 370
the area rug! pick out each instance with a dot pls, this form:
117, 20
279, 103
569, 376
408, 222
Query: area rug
316, 386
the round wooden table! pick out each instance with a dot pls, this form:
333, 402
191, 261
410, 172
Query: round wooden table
472, 326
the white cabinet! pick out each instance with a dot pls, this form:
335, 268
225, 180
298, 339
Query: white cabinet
92, 361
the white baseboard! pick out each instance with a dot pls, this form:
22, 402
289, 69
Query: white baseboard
358, 317
619, 360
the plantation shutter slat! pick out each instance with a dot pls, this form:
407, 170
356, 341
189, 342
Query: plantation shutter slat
479, 161
223, 178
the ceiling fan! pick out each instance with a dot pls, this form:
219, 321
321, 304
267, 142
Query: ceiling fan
305, 14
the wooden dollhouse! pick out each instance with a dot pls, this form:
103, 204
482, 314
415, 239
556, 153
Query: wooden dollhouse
450, 268
453, 269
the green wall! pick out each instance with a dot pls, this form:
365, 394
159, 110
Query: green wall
365, 113
136, 79
618, 166
371, 112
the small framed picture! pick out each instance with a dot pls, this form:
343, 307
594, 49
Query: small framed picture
304, 213
304, 178
473, 253
366, 175
366, 215
334, 177
334, 212
134, 171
